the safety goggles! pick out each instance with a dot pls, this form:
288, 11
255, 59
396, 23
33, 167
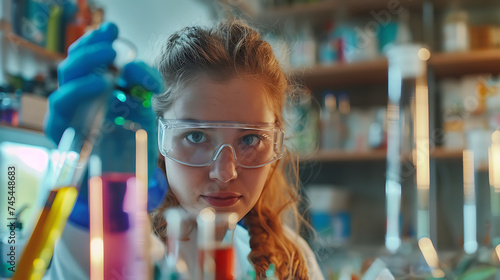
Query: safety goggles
199, 143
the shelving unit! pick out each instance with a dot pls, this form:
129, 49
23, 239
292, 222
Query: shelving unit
375, 71
23, 43
343, 74
327, 8
21, 128
18, 42
4, 25
373, 155
463, 63
345, 156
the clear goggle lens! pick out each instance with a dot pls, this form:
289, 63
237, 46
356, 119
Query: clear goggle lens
197, 143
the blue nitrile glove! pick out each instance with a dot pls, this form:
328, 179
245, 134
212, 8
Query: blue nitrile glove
80, 83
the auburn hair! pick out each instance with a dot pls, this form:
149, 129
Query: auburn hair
224, 50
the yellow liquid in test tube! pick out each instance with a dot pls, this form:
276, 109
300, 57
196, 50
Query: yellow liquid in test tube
39, 249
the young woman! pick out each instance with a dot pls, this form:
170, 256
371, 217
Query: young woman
225, 86
221, 136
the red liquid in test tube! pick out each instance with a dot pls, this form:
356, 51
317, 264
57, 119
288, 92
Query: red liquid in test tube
223, 260
215, 244
224, 266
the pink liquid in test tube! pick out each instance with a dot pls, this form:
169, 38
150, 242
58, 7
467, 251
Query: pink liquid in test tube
120, 252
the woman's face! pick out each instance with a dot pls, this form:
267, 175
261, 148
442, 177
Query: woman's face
223, 184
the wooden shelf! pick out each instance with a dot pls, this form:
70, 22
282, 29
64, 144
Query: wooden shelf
442, 153
375, 71
462, 63
328, 8
21, 128
345, 156
4, 26
23, 43
342, 74
302, 9
372, 155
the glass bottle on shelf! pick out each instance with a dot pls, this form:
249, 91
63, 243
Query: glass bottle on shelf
344, 37
331, 131
455, 30
9, 107
303, 50
78, 25
326, 52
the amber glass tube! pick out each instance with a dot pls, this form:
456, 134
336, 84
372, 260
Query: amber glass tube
39, 249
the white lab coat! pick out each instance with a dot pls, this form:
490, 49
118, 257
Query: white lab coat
71, 254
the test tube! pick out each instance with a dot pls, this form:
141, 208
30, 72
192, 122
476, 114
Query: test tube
407, 143
75, 148
470, 220
473, 262
73, 156
119, 223
215, 244
180, 226
494, 174
120, 171
74, 151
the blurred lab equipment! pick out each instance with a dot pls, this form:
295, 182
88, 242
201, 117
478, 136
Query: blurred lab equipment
215, 244
408, 162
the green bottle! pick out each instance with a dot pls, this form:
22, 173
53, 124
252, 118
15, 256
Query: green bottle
53, 35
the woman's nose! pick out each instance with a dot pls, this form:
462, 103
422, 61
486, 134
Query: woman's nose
224, 166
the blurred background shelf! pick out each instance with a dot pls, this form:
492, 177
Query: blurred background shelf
375, 71
328, 8
21, 128
6, 27
373, 155
342, 74
462, 63
23, 43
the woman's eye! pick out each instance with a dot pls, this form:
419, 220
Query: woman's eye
250, 140
196, 137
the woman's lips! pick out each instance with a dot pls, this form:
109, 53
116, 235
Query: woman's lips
222, 199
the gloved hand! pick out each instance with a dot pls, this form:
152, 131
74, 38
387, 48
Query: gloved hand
80, 83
